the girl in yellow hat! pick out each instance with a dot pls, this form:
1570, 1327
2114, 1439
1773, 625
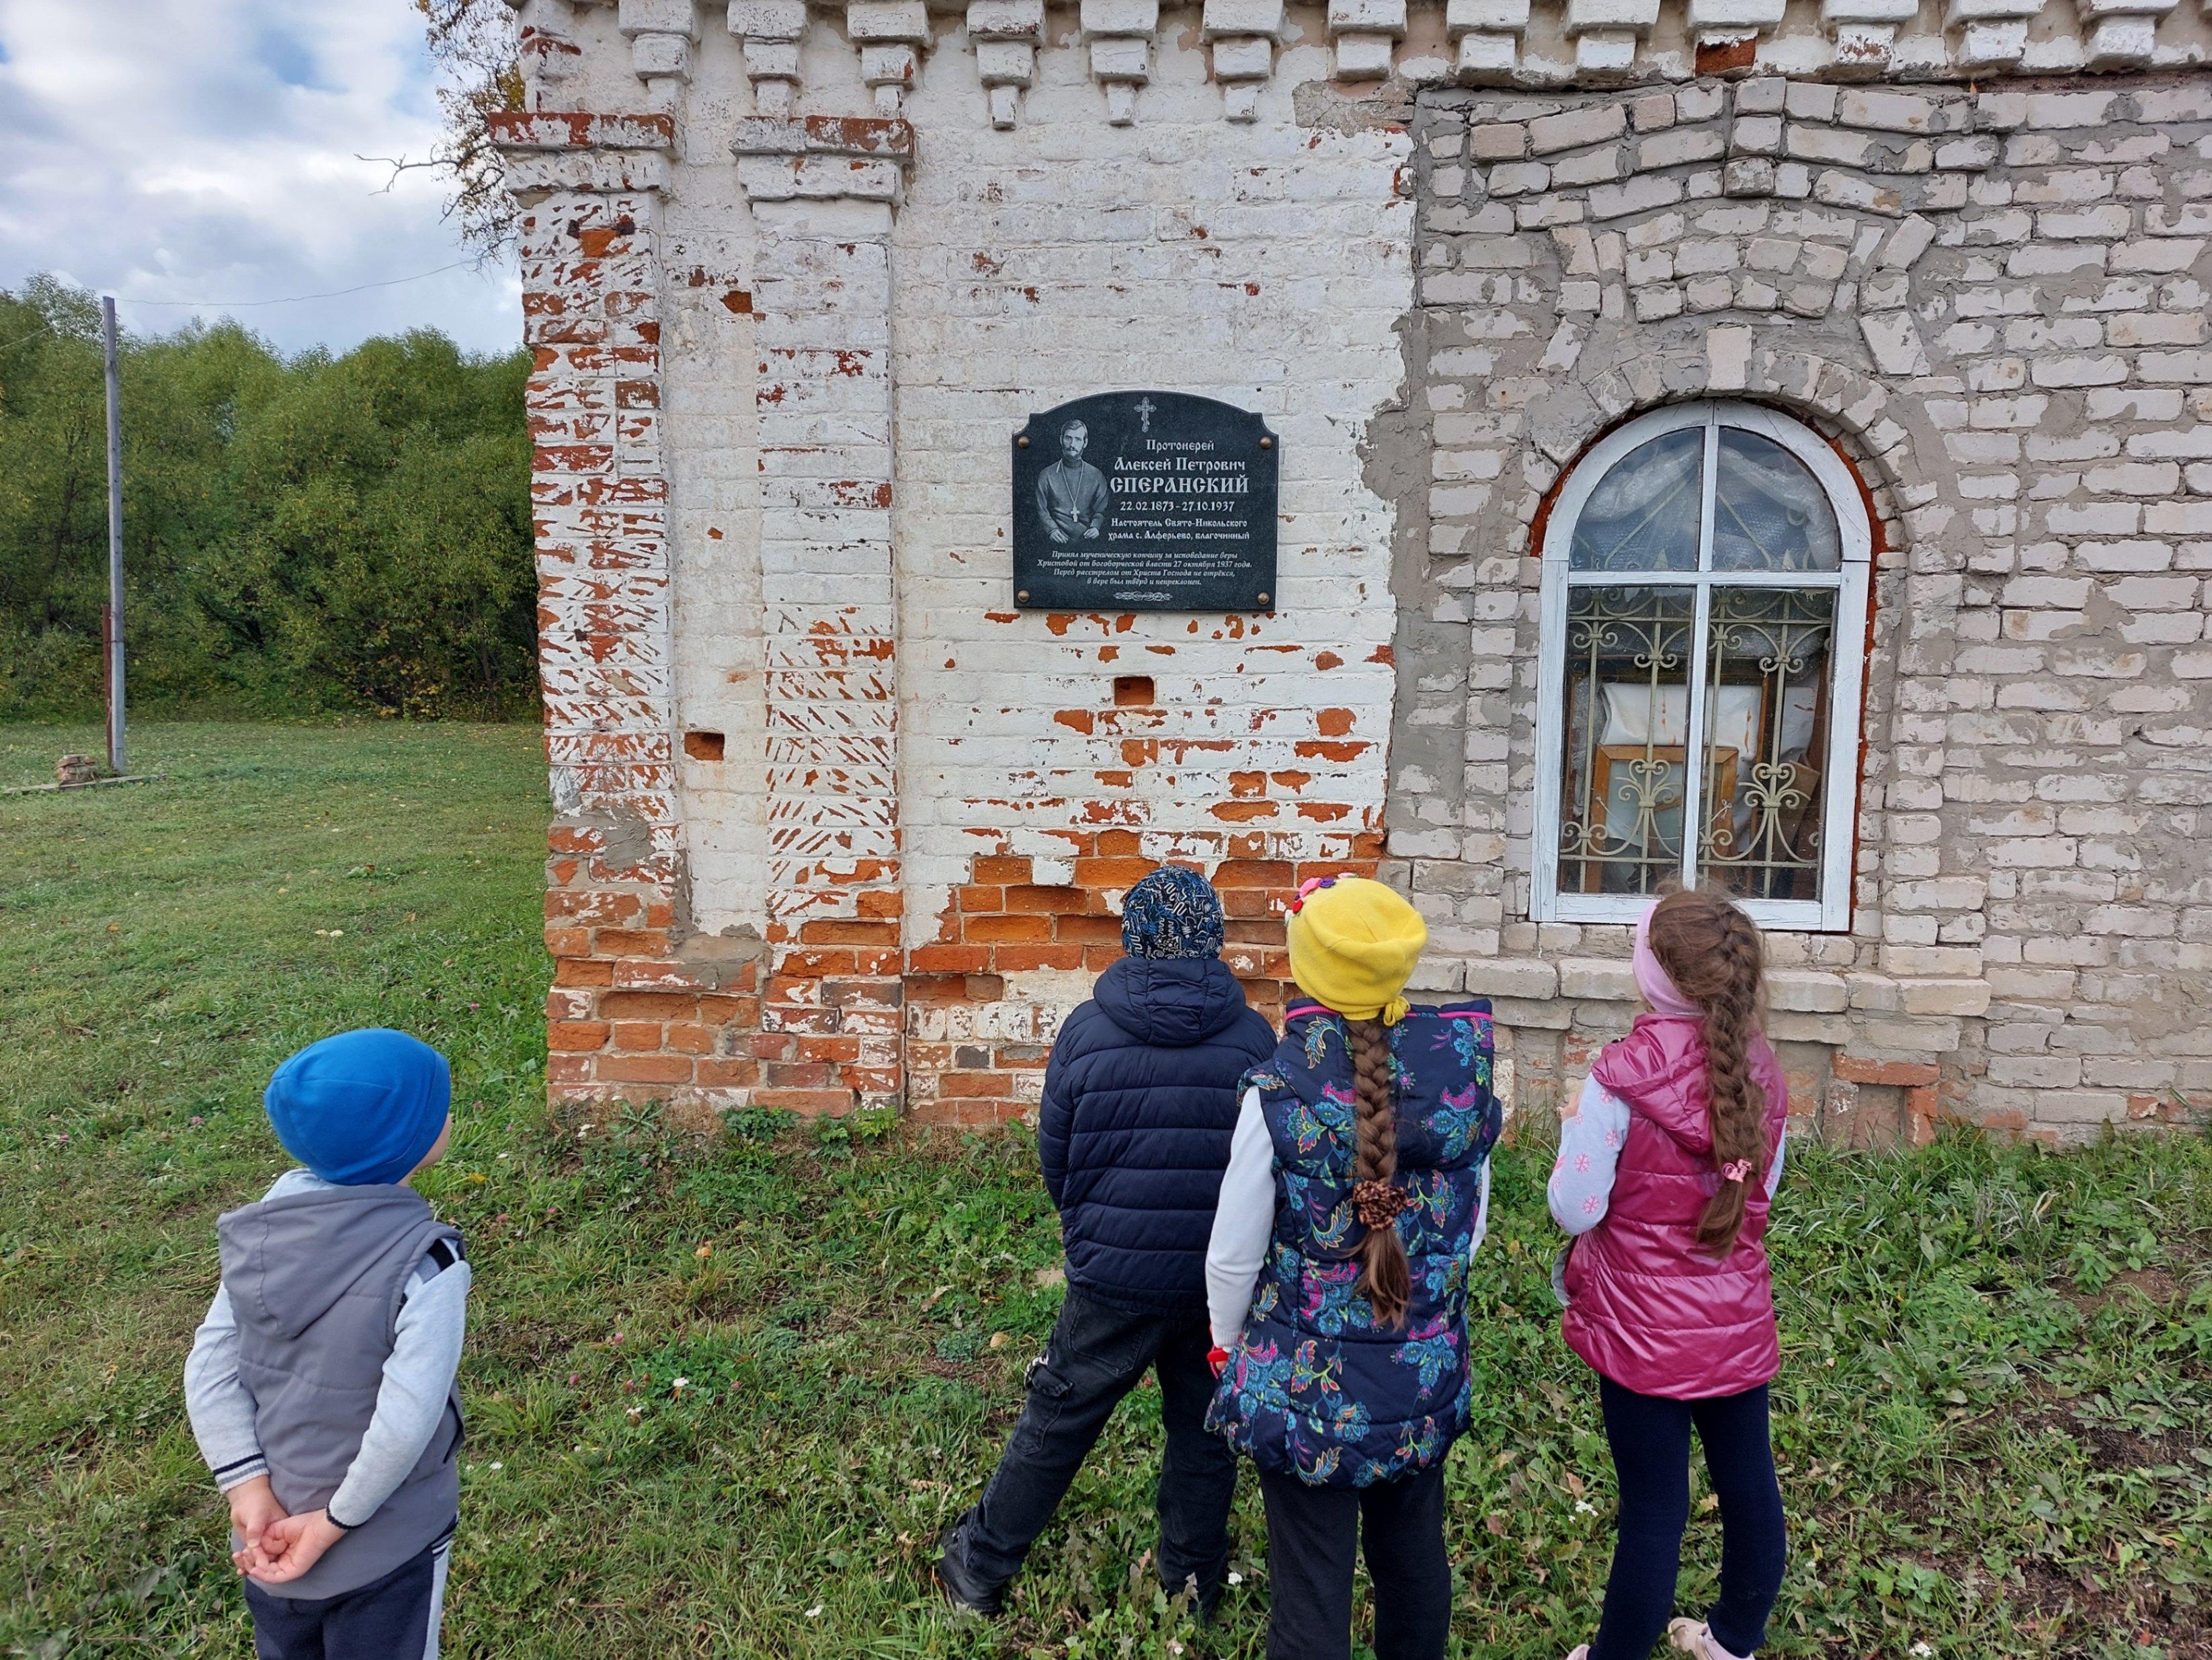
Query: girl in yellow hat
1357, 1192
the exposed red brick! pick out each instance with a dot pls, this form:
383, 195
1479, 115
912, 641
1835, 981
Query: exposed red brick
688, 1038
849, 933
974, 1083
1111, 872
648, 1006
577, 1035
1271, 873
667, 1069
1726, 56
949, 959
713, 1074
813, 1103
1088, 930
1034, 929
631, 942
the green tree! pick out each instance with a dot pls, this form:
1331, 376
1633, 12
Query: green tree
323, 532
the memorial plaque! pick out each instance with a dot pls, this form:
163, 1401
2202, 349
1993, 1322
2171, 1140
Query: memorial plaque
1145, 501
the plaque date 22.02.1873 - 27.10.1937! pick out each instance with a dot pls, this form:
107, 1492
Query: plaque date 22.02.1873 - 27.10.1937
1145, 501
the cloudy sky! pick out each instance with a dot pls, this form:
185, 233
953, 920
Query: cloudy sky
206, 150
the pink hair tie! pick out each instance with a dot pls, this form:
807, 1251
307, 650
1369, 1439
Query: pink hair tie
1736, 1169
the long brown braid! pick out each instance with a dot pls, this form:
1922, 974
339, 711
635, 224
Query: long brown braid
1711, 951
1375, 1198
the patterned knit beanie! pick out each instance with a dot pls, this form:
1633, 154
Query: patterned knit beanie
1172, 913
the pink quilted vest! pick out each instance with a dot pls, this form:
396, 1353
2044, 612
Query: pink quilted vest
1649, 1307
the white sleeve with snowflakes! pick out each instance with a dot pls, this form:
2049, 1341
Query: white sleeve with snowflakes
1591, 1132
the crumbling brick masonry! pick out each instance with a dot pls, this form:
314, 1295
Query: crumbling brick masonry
1761, 441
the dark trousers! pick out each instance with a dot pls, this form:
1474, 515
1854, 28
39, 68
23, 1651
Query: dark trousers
1097, 1354
394, 1618
1313, 1535
1650, 1438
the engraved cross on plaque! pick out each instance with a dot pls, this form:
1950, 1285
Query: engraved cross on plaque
1145, 406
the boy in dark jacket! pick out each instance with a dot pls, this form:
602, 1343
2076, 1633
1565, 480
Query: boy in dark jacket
1140, 1100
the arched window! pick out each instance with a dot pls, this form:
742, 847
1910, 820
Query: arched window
1704, 636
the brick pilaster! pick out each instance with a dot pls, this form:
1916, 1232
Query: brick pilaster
823, 193
625, 1017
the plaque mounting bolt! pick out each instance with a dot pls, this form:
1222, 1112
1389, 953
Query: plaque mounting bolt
1022, 594
1265, 598
1266, 443
1023, 443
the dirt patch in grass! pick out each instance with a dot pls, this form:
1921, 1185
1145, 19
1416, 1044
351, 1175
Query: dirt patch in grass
2071, 1610
2121, 1451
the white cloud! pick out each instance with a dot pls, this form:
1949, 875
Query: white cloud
208, 150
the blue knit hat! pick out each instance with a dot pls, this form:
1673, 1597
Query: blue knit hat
360, 1107
1172, 913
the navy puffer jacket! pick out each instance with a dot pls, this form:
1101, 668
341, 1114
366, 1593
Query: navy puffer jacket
1140, 1104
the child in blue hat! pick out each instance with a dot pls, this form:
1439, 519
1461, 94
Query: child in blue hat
321, 1385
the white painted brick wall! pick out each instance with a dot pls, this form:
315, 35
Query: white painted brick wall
1018, 259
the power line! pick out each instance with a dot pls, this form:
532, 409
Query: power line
9, 345
292, 299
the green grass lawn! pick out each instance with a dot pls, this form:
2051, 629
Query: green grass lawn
1990, 1421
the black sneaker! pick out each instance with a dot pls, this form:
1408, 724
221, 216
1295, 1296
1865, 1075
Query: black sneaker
959, 1583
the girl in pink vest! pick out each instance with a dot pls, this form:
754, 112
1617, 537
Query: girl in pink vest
1667, 1162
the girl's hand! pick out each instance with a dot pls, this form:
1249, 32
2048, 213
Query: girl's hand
291, 1547
253, 1507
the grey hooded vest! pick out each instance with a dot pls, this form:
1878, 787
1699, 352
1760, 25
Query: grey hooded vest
315, 1281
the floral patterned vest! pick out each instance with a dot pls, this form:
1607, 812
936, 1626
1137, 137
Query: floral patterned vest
1316, 1388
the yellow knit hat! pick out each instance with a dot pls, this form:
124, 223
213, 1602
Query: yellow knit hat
1353, 944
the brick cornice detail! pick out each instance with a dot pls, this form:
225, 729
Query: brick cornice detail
579, 151
581, 129
885, 139
823, 158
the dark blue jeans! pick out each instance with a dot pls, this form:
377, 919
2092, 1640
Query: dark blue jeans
1651, 1439
1097, 1354
394, 1618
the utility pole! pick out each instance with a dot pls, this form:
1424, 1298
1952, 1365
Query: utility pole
113, 643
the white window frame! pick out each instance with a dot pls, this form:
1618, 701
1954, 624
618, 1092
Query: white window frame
1847, 657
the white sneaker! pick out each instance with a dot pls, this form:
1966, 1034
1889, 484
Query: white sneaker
1691, 1637
1580, 1653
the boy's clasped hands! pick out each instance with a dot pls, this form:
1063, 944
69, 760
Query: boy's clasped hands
274, 1546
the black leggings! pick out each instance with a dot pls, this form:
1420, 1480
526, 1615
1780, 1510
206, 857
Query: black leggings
1315, 1536
1651, 1439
